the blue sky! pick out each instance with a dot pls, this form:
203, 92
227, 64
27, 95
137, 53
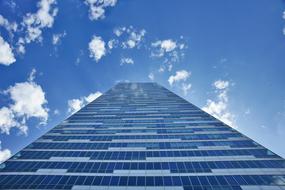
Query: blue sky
227, 57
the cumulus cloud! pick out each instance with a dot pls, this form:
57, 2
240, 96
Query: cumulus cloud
97, 48
219, 108
6, 54
127, 60
76, 104
181, 75
97, 8
43, 18
56, 38
28, 101
4, 154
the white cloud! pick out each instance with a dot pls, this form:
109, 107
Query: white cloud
112, 43
134, 38
4, 154
6, 54
219, 108
21, 46
163, 47
119, 31
11, 4
56, 38
31, 28
169, 50
28, 100
219, 84
151, 76
129, 36
8, 121
28, 30
186, 88
97, 48
76, 104
43, 18
97, 8
127, 60
91, 97
10, 27
161, 69
168, 45
32, 75
181, 75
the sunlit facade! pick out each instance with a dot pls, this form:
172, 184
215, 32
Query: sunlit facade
142, 136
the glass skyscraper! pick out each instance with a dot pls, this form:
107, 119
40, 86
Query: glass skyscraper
142, 136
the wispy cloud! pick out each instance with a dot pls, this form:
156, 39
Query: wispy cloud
220, 84
181, 75
29, 30
186, 87
180, 81
56, 38
129, 37
127, 60
169, 50
219, 107
76, 104
151, 76
9, 26
97, 8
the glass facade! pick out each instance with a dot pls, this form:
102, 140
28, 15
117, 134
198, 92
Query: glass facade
142, 136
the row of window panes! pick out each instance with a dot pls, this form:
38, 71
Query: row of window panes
142, 155
147, 145
24, 181
108, 167
122, 137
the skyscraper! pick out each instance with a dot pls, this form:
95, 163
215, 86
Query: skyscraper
142, 136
